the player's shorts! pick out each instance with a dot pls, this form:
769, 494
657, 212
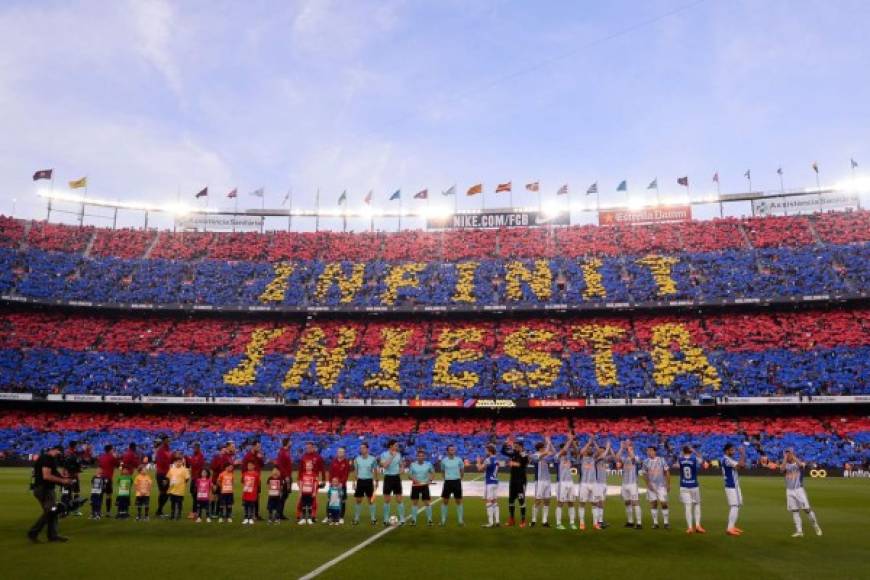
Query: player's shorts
143, 500
452, 487
420, 492
227, 499
629, 492
108, 489
392, 485
690, 495
490, 491
586, 492
517, 490
364, 488
543, 489
734, 496
796, 499
600, 492
657, 493
565, 492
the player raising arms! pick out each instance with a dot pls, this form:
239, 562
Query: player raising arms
453, 469
658, 486
732, 486
366, 468
603, 457
586, 493
796, 495
630, 496
690, 493
543, 492
489, 466
421, 476
518, 460
565, 483
391, 465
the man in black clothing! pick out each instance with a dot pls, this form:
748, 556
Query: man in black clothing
45, 476
71, 462
518, 460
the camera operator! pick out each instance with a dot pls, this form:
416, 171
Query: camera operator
45, 475
72, 463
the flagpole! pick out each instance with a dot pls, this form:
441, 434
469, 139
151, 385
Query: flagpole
658, 199
235, 209
400, 212
51, 193
781, 184
262, 210
317, 211
818, 183
82, 213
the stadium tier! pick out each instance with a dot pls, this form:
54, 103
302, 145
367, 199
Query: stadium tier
757, 259
831, 441
808, 352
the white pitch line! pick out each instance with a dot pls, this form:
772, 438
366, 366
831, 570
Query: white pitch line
367, 542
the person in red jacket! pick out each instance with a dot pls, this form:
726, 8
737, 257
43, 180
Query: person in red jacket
162, 463
340, 469
311, 464
109, 462
255, 456
250, 492
195, 463
284, 463
131, 459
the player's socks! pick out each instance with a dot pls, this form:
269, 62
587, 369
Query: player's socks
460, 513
545, 514
558, 515
496, 510
429, 513
571, 515
386, 512
655, 516
581, 512
402, 512
812, 516
697, 510
689, 516
629, 515
414, 514
666, 515
443, 514
732, 517
523, 512
637, 515
534, 514
356, 508
512, 511
373, 512
490, 514
798, 525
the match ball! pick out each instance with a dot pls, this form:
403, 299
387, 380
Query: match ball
394, 520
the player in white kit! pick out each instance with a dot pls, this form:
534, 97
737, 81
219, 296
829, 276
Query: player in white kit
796, 495
588, 481
543, 485
630, 496
565, 483
732, 485
603, 457
658, 487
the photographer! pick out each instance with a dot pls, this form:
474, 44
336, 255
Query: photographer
72, 464
45, 476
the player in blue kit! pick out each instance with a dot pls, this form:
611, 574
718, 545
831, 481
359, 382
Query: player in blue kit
690, 493
732, 485
489, 466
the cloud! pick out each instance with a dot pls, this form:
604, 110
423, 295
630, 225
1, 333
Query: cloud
154, 23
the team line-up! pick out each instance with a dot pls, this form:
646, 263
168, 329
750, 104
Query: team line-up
212, 487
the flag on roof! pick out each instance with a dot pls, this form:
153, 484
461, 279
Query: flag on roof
368, 198
748, 174
654, 184
343, 197
422, 194
534, 186
563, 190
623, 186
475, 189
716, 177
202, 193
684, 181
396, 195
234, 192
79, 183
851, 161
258, 192
46, 173
779, 170
815, 167
449, 191
592, 189
503, 187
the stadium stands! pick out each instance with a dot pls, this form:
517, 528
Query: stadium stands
831, 441
722, 260
817, 352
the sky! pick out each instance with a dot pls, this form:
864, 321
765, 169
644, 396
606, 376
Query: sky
153, 100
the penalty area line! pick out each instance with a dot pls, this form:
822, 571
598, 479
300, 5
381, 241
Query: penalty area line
367, 542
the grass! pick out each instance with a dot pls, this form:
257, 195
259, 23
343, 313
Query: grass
111, 549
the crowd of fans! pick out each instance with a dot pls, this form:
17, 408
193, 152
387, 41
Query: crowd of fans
815, 352
833, 441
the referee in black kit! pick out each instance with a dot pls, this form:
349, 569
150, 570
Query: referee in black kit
45, 476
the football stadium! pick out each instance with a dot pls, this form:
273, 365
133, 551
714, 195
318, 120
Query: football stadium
391, 370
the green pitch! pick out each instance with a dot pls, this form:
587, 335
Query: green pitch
162, 549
